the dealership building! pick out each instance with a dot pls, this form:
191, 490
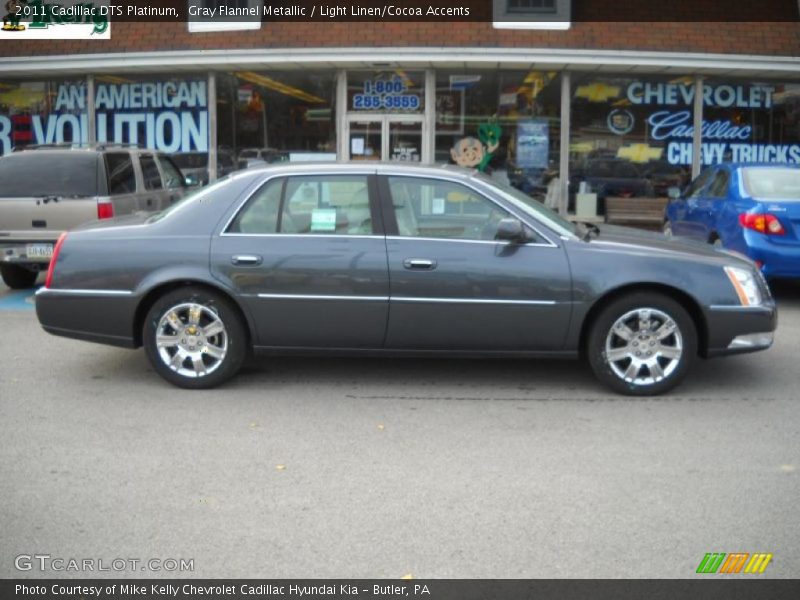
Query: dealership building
570, 103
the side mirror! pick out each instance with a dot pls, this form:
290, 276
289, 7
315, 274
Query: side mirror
674, 192
511, 230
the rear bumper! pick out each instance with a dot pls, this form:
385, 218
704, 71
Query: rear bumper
17, 253
739, 329
102, 316
778, 260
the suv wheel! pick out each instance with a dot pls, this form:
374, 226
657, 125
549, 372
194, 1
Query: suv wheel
642, 344
194, 338
17, 277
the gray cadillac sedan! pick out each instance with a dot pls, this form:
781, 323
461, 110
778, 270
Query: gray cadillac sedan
402, 260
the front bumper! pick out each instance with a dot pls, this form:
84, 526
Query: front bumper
740, 329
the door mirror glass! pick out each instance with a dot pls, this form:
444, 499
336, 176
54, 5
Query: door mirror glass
674, 193
511, 230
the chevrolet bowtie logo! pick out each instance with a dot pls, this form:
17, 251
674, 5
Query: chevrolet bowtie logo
716, 562
640, 153
597, 92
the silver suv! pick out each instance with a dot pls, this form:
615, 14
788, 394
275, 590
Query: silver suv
45, 190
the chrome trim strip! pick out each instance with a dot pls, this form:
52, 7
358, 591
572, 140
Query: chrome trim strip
77, 292
405, 299
323, 297
732, 307
495, 242
472, 301
318, 236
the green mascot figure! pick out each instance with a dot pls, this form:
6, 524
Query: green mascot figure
11, 22
476, 153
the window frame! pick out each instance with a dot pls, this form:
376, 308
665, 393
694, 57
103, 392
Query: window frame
376, 216
559, 19
108, 172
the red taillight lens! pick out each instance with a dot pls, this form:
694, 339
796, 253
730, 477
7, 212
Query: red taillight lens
52, 267
105, 210
768, 224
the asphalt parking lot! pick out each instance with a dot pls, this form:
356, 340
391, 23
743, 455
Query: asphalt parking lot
384, 468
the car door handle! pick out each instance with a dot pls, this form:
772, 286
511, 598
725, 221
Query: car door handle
419, 263
246, 259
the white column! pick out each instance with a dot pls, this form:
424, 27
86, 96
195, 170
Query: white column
91, 113
697, 137
212, 127
563, 166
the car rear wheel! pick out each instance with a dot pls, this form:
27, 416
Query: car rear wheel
642, 344
17, 277
195, 338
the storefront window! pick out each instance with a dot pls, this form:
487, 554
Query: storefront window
266, 117
504, 123
750, 122
42, 112
630, 137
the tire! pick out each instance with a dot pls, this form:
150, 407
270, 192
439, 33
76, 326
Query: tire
183, 321
664, 360
17, 277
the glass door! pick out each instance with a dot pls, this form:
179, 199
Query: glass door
405, 140
385, 138
365, 140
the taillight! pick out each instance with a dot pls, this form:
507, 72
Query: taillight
768, 224
105, 210
51, 269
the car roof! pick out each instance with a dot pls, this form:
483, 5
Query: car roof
361, 166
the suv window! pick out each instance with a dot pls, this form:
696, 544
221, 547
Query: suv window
172, 175
443, 209
121, 177
152, 178
34, 173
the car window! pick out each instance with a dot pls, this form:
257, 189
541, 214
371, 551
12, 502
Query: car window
696, 187
774, 183
121, 177
443, 209
260, 214
172, 175
37, 173
719, 187
326, 204
152, 178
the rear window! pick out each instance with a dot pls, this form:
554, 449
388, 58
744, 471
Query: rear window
774, 183
35, 173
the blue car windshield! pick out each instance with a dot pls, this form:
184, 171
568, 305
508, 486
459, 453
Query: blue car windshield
773, 183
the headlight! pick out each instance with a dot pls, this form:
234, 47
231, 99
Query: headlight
745, 284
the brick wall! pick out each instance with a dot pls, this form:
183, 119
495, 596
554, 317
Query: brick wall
771, 39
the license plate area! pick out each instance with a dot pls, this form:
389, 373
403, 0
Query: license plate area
39, 250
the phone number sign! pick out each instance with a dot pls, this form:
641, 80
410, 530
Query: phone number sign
391, 94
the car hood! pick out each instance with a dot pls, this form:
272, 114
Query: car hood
629, 240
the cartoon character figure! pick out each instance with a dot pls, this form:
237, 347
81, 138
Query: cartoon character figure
11, 22
471, 152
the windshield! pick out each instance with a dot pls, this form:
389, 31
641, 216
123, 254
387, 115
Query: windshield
195, 160
35, 173
196, 196
781, 183
530, 206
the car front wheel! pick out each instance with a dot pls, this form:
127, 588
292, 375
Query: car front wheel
642, 344
195, 338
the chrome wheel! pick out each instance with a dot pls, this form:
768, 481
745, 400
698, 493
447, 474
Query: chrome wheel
191, 340
643, 347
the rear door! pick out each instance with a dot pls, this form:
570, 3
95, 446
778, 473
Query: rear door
44, 192
682, 209
121, 183
155, 195
307, 256
172, 177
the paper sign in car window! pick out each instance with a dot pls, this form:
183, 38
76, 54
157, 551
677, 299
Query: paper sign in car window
438, 206
323, 219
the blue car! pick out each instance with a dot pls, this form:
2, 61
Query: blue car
751, 208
